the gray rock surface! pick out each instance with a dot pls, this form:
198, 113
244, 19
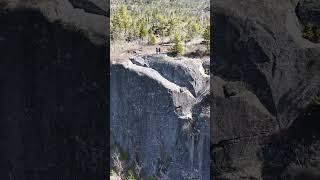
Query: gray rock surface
74, 15
184, 72
99, 7
53, 89
160, 124
264, 76
308, 11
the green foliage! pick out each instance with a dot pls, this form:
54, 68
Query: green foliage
113, 173
177, 48
317, 33
316, 100
206, 37
132, 20
311, 32
193, 29
308, 32
130, 175
119, 23
124, 155
153, 40
143, 32
207, 71
113, 143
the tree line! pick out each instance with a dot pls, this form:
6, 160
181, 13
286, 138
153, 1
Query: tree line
149, 23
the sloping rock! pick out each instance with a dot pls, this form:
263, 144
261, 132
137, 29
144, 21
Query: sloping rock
188, 73
92, 6
91, 23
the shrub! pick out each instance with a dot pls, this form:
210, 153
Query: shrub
113, 173
130, 176
311, 32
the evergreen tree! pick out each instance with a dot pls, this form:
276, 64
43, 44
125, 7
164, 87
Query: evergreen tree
153, 40
143, 32
138, 20
206, 37
177, 48
193, 29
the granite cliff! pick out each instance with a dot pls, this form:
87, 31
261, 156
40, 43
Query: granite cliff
264, 77
53, 89
160, 118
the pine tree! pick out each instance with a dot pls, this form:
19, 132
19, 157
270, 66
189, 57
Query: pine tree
138, 19
206, 37
177, 48
193, 29
120, 23
143, 32
153, 40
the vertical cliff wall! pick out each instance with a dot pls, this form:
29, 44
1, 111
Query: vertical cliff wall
161, 126
53, 97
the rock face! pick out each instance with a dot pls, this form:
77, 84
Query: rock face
188, 73
159, 120
308, 11
53, 109
99, 7
263, 124
83, 15
264, 75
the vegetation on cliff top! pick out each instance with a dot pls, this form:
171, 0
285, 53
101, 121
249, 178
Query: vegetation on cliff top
160, 21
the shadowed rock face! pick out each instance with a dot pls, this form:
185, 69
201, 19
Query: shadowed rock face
82, 15
162, 126
264, 76
53, 89
308, 11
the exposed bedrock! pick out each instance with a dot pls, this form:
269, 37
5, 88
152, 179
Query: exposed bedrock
161, 125
264, 77
53, 89
187, 73
308, 12
86, 16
